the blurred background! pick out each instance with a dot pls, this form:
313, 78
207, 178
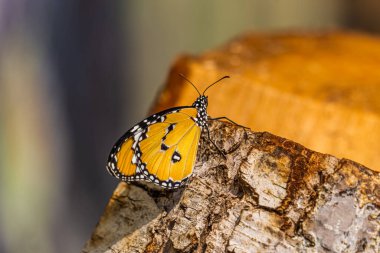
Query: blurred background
75, 75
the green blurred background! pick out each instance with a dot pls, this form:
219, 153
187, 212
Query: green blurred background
75, 75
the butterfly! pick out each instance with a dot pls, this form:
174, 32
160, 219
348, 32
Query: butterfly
162, 148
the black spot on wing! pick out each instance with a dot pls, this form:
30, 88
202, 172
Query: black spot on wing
164, 147
176, 157
170, 128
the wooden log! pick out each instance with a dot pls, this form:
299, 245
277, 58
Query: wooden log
319, 89
269, 194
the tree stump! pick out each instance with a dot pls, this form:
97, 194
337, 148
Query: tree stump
269, 194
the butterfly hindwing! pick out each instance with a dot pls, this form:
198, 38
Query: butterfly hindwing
161, 149
122, 161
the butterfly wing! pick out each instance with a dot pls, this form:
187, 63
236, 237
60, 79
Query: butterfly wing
161, 149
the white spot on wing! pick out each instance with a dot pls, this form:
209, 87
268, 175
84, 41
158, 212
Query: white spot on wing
135, 128
134, 159
137, 136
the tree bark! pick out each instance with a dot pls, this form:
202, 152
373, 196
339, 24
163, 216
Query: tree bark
268, 195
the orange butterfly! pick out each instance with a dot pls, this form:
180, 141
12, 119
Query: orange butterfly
162, 148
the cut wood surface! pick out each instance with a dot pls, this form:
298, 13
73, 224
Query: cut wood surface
321, 90
269, 194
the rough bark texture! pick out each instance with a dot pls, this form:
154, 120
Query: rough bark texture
269, 195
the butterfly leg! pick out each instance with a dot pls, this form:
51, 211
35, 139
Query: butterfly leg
220, 151
230, 120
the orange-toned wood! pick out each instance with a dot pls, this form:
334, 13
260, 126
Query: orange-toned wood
319, 89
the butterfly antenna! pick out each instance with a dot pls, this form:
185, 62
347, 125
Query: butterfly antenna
224, 77
184, 77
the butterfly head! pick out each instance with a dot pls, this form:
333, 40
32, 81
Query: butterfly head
201, 103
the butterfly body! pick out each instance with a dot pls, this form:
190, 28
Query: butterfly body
162, 148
